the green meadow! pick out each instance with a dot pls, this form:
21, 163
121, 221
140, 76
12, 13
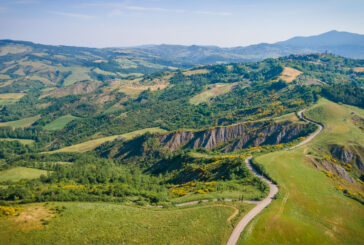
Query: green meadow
60, 122
105, 223
309, 209
18, 173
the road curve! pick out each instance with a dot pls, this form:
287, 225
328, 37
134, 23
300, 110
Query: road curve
273, 190
234, 237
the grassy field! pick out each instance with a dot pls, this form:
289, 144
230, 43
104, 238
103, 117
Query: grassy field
78, 74
9, 98
309, 209
289, 74
22, 123
212, 91
92, 144
196, 72
18, 173
105, 223
22, 141
60, 122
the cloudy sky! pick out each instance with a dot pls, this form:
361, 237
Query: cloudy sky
227, 23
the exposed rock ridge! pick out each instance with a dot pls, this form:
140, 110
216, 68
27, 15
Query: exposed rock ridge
234, 137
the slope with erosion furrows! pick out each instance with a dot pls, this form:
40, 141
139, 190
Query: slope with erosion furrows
224, 139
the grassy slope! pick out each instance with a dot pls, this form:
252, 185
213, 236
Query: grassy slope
59, 123
105, 223
92, 144
25, 122
22, 141
18, 173
309, 210
218, 89
8, 98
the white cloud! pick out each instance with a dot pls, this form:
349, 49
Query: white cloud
74, 15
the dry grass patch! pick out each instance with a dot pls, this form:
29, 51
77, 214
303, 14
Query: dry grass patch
92, 144
212, 91
289, 74
358, 69
34, 216
195, 72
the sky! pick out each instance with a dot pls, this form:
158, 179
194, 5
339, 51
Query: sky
226, 23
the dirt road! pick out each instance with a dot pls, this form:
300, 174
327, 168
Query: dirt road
273, 188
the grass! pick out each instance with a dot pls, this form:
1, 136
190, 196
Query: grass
289, 74
309, 209
78, 74
212, 91
22, 123
18, 173
358, 69
60, 122
105, 223
92, 144
22, 141
8, 98
196, 72
287, 117
250, 193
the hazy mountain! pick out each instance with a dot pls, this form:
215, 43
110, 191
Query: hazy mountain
341, 43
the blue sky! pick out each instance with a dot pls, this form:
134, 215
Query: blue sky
227, 23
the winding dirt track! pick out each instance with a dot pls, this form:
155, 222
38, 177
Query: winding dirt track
234, 237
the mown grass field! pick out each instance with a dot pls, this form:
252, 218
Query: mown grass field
22, 123
105, 223
309, 209
22, 141
92, 144
60, 122
18, 173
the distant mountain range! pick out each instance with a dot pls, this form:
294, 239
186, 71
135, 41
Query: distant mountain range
345, 44
26, 65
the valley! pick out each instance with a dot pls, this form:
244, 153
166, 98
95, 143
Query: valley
116, 145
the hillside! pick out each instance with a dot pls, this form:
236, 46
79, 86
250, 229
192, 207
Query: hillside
132, 152
317, 203
26, 66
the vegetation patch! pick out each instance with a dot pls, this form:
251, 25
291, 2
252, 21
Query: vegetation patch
196, 72
212, 91
18, 173
22, 123
60, 122
92, 144
86, 223
22, 141
289, 74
